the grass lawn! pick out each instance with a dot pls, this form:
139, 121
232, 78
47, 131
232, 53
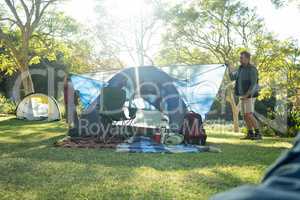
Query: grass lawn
31, 168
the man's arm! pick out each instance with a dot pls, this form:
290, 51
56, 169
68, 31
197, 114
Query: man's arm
231, 72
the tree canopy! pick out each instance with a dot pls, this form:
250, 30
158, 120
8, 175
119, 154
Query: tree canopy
161, 32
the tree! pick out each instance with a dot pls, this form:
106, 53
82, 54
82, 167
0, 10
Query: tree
22, 19
171, 55
279, 66
133, 36
221, 28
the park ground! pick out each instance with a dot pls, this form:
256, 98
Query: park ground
32, 168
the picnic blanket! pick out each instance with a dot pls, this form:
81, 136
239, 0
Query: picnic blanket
147, 145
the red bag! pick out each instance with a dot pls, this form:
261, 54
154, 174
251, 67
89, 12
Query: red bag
193, 130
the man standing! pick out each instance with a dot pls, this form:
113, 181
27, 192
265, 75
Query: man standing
246, 88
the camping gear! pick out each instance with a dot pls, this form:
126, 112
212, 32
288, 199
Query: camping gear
112, 107
38, 106
173, 139
172, 90
147, 119
163, 129
140, 144
111, 103
157, 137
193, 130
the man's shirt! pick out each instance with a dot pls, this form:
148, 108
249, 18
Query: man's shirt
246, 79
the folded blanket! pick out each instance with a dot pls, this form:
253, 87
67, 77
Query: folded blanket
146, 145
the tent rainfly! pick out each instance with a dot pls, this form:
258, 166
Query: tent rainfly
38, 106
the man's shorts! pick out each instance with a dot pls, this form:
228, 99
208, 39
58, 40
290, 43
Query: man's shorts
247, 105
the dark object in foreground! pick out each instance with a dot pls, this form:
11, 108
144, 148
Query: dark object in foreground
282, 181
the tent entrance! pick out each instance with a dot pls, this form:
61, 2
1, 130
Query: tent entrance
37, 106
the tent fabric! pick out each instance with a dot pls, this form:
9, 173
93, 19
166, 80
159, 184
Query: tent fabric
155, 87
38, 106
282, 181
88, 88
172, 90
197, 85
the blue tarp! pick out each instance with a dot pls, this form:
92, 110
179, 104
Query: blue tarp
89, 89
146, 145
174, 90
198, 85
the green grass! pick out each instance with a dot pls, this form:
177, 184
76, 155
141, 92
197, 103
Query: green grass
31, 168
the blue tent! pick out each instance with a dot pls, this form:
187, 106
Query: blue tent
173, 90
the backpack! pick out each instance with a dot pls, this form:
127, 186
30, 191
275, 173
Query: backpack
193, 130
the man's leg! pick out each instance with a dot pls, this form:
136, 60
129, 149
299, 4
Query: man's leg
253, 120
250, 133
248, 121
257, 134
244, 108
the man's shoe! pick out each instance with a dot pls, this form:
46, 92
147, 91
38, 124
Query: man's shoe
257, 136
249, 136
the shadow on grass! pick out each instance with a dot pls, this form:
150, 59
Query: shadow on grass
213, 134
14, 121
29, 130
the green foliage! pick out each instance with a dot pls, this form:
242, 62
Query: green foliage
6, 63
76, 55
169, 56
46, 38
6, 106
264, 130
220, 28
277, 62
267, 131
293, 123
7, 60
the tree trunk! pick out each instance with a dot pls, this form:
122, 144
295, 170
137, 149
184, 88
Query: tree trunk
24, 63
235, 111
27, 81
235, 116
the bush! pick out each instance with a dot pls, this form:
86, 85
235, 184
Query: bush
267, 131
293, 123
293, 126
244, 130
7, 106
